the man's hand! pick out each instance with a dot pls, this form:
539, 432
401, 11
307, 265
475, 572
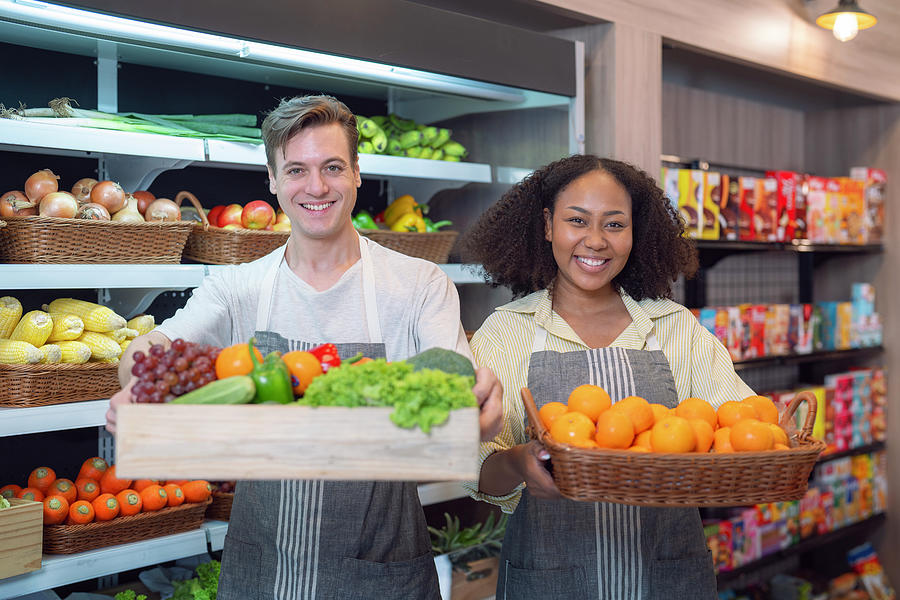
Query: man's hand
121, 397
489, 393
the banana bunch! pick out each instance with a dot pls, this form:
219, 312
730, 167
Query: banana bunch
396, 136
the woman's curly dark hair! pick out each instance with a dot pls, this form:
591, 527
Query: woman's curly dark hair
508, 239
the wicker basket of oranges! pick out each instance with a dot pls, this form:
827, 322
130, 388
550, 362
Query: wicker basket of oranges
666, 458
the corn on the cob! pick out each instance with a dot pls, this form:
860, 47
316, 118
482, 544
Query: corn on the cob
124, 344
120, 335
142, 324
101, 346
51, 353
74, 352
10, 313
96, 317
110, 361
34, 327
65, 327
14, 352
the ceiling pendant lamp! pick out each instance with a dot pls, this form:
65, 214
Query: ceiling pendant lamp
846, 20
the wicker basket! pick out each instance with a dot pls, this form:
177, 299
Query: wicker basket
42, 385
220, 509
70, 539
648, 479
433, 246
217, 246
52, 240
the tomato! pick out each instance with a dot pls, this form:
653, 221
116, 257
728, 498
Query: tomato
304, 367
235, 360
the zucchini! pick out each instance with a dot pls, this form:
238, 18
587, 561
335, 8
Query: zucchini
238, 389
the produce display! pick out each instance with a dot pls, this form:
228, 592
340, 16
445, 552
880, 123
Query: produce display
65, 331
396, 136
98, 495
590, 420
402, 214
256, 215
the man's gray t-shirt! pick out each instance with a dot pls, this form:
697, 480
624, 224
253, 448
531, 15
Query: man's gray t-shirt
418, 306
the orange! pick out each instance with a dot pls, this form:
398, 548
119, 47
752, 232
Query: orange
93, 468
10, 490
589, 400
88, 489
153, 497
779, 434
750, 435
731, 412
643, 439
765, 408
138, 485
304, 367
722, 440
673, 434
64, 488
41, 478
588, 443
130, 502
110, 484
695, 408
56, 509
570, 427
638, 410
550, 411
80, 512
614, 430
197, 490
778, 446
637, 448
106, 507
174, 495
704, 433
660, 412
30, 493
235, 360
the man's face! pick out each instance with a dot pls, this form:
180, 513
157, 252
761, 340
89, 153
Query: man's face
316, 182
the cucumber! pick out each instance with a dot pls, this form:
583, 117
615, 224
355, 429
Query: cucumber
238, 389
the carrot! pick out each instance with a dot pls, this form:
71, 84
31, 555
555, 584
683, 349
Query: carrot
10, 490
110, 484
174, 494
41, 478
93, 468
138, 485
64, 488
130, 503
196, 491
88, 489
154, 497
106, 507
80, 512
56, 509
30, 493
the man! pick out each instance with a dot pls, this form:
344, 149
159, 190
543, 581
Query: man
324, 539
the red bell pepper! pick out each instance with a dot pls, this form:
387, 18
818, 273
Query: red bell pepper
327, 355
379, 218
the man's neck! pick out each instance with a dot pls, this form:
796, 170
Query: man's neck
322, 262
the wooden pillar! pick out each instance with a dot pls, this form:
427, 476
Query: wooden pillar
623, 92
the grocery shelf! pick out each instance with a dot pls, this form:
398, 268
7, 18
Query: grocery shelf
793, 359
793, 246
55, 417
62, 569
215, 534
866, 449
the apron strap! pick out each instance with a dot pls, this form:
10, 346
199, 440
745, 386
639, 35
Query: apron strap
267, 290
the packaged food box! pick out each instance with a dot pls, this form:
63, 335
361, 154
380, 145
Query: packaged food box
712, 196
757, 346
834, 199
730, 208
844, 338
690, 201
878, 388
735, 332
816, 206
221, 442
786, 183
852, 215
746, 219
875, 196
800, 220
766, 215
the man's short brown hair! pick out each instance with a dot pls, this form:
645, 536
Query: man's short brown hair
299, 112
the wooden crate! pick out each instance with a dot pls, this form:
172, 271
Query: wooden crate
290, 442
21, 528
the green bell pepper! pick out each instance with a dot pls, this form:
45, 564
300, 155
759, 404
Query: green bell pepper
431, 226
363, 220
271, 377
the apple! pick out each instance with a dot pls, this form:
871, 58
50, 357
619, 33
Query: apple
282, 226
231, 215
213, 215
281, 217
233, 226
257, 215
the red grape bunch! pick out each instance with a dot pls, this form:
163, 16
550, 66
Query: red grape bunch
164, 374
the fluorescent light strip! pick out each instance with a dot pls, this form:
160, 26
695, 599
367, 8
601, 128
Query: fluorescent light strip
132, 31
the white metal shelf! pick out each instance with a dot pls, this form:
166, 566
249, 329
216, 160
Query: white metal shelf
63, 569
56, 417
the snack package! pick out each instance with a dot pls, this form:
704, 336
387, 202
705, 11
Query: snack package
816, 209
874, 195
834, 199
766, 210
829, 324
735, 332
844, 338
690, 201
800, 232
712, 196
730, 208
852, 227
864, 562
746, 219
878, 420
786, 184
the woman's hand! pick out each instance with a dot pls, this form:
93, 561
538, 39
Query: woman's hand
121, 397
531, 462
489, 393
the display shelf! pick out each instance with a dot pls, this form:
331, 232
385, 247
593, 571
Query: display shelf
215, 534
742, 575
873, 447
793, 246
56, 417
794, 359
63, 569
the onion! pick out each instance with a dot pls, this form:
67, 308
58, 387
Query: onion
15, 204
59, 204
93, 212
163, 209
144, 198
130, 213
110, 195
40, 184
82, 189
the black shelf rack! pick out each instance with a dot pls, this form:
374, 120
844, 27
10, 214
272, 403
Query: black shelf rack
813, 357
867, 448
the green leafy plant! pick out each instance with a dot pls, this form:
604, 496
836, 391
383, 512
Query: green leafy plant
204, 586
129, 595
466, 544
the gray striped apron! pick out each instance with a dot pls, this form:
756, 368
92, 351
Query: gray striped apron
566, 549
299, 540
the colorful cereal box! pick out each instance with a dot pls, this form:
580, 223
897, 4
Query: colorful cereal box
852, 226
690, 201
730, 208
786, 183
766, 211
874, 195
816, 205
712, 196
747, 220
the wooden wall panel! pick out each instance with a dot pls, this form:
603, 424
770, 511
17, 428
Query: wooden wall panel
730, 130
835, 141
780, 35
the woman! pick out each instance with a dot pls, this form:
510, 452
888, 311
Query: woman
590, 247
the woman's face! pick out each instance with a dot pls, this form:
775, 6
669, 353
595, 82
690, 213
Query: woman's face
590, 231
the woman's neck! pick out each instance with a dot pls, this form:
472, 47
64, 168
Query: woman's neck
598, 318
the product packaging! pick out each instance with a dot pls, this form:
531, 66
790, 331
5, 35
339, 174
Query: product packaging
816, 203
712, 196
730, 208
834, 200
766, 214
874, 194
852, 227
690, 201
865, 562
786, 184
800, 227
747, 219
